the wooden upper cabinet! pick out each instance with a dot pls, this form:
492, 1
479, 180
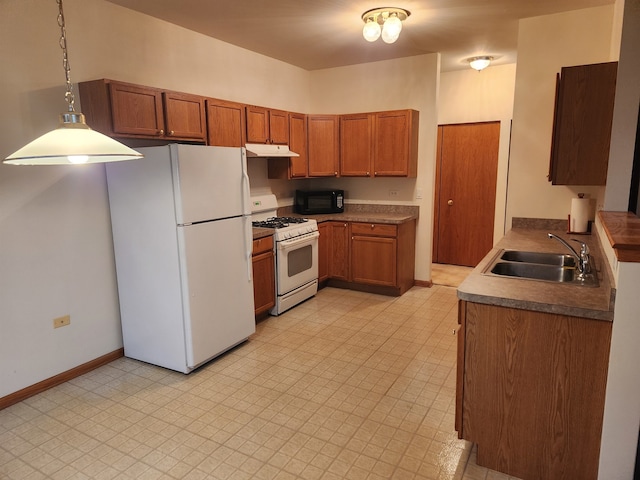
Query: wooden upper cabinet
121, 109
323, 135
582, 124
136, 110
279, 127
395, 144
184, 116
356, 148
226, 123
267, 126
293, 167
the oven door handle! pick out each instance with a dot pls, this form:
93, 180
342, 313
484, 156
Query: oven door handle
294, 242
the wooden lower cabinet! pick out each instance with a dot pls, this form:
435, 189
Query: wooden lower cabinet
353, 254
530, 390
264, 283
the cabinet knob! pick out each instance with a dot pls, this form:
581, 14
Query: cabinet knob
450, 202
161, 131
171, 132
367, 174
345, 225
372, 226
335, 174
375, 173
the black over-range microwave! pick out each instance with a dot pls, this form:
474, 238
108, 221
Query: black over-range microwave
309, 202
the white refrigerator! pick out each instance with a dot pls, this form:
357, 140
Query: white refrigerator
181, 222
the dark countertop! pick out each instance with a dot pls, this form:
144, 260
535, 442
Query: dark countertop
557, 298
365, 213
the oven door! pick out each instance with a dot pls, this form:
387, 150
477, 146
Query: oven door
296, 262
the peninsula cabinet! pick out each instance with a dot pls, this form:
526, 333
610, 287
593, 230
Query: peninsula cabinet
267, 126
323, 134
125, 110
395, 144
226, 124
530, 390
264, 287
293, 167
582, 124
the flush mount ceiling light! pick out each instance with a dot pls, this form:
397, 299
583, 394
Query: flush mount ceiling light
385, 22
479, 63
73, 141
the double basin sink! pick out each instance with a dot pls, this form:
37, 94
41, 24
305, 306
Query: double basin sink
546, 267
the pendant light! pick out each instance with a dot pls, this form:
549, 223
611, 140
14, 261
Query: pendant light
73, 142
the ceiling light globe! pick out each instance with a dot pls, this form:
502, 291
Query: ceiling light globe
371, 31
391, 29
480, 63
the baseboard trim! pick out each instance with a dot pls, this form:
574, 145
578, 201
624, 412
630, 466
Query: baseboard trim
423, 283
48, 383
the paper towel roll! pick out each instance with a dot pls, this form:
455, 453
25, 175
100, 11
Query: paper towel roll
579, 214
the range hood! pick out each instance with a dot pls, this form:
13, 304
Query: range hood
269, 151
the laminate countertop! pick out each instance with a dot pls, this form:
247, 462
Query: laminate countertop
360, 213
557, 298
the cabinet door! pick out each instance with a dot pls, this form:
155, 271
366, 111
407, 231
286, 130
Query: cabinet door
264, 289
298, 144
278, 127
356, 150
257, 124
582, 124
323, 136
324, 242
136, 110
395, 144
226, 123
339, 251
184, 116
373, 260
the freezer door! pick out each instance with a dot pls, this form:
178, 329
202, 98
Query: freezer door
209, 182
217, 287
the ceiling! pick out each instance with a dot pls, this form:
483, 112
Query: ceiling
316, 34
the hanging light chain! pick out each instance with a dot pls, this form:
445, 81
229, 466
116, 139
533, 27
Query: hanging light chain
69, 96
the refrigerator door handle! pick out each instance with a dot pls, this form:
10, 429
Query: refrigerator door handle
248, 242
246, 187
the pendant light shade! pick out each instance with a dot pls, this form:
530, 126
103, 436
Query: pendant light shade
73, 141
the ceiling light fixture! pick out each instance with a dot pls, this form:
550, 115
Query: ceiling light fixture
385, 22
479, 63
73, 142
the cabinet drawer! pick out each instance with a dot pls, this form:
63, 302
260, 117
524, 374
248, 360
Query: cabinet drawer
261, 245
378, 229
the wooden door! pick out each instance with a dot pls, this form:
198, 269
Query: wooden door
257, 119
298, 143
278, 127
184, 116
465, 194
136, 110
356, 149
226, 123
323, 137
339, 251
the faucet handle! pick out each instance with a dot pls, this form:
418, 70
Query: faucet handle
584, 248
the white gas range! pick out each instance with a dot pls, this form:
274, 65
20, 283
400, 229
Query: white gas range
296, 252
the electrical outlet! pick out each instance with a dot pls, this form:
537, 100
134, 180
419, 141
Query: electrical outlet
393, 193
418, 193
61, 321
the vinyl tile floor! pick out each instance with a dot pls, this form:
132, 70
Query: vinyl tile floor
347, 385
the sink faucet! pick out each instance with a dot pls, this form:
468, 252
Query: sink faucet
583, 258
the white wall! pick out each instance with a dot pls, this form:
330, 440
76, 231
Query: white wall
545, 45
468, 96
56, 252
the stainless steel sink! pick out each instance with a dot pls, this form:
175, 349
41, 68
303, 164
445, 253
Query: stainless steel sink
539, 258
546, 267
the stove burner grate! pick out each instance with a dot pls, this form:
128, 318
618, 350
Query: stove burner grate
278, 222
